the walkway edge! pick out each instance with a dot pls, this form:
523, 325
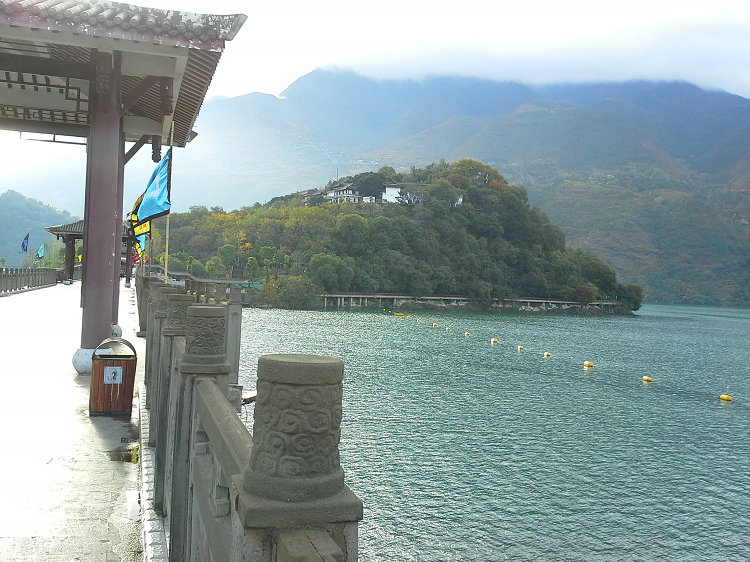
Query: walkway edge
154, 536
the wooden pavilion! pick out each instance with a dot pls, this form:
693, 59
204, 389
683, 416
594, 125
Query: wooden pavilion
71, 232
110, 73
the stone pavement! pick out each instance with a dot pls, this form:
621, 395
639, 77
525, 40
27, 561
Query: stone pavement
68, 490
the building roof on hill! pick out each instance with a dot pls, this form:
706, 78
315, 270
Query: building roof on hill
45, 64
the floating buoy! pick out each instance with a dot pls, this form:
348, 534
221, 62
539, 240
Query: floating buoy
520, 348
588, 363
447, 329
493, 341
408, 317
418, 320
646, 378
398, 313
725, 397
467, 334
434, 325
547, 354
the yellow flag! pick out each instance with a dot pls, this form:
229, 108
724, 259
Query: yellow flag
144, 228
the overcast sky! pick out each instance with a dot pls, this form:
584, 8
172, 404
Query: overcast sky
706, 43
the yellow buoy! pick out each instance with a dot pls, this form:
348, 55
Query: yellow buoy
493, 341
418, 320
646, 378
520, 347
588, 363
547, 354
466, 333
398, 313
408, 317
447, 329
725, 397
434, 325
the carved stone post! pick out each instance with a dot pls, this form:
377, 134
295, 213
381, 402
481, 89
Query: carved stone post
295, 476
205, 356
157, 312
210, 293
234, 339
200, 291
175, 324
141, 293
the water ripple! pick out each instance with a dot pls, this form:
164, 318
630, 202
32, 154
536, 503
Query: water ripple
462, 450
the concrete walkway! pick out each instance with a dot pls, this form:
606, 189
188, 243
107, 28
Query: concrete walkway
66, 492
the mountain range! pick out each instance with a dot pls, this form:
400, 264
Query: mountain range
653, 177
19, 216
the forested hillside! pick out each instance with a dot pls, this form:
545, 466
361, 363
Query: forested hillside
20, 216
465, 231
651, 176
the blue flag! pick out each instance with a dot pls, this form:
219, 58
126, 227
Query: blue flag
25, 243
40, 252
155, 200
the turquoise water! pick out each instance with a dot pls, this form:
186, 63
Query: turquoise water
463, 450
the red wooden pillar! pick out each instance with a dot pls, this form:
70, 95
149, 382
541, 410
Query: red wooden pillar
70, 255
102, 225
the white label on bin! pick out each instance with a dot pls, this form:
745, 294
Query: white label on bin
112, 375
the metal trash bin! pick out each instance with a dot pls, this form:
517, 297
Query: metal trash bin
112, 377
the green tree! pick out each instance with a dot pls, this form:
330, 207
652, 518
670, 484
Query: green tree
216, 268
332, 273
585, 293
291, 292
228, 255
197, 269
251, 268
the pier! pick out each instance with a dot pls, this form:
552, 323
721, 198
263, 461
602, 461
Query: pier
181, 478
395, 300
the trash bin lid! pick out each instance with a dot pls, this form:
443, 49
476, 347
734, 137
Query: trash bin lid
115, 348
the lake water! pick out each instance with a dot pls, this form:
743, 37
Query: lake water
463, 450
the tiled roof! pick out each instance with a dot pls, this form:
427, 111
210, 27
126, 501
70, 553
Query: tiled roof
45, 64
107, 19
76, 228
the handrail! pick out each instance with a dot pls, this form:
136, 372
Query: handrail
18, 279
230, 440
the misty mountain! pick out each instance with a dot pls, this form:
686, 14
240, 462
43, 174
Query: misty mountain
19, 216
653, 177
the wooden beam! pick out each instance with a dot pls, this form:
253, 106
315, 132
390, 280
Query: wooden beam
138, 92
44, 66
135, 148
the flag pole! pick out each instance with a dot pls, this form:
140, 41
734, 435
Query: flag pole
166, 235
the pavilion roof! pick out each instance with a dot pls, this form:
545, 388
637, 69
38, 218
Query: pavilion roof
45, 64
75, 229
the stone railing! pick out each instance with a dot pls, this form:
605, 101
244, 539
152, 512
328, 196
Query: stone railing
278, 495
248, 292
16, 279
